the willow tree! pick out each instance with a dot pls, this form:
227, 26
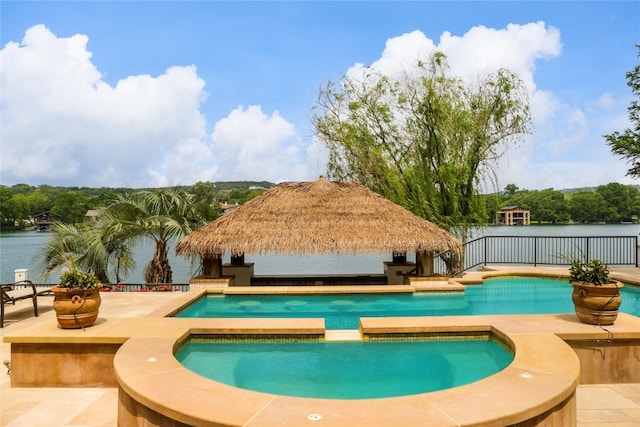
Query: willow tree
627, 143
427, 140
159, 215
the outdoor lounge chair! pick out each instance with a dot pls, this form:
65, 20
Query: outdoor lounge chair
25, 290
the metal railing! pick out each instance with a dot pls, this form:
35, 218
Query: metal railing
146, 287
548, 250
524, 250
124, 287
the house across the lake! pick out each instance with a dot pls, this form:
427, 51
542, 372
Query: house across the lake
44, 221
513, 215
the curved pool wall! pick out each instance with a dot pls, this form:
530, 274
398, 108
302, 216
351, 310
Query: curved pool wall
536, 389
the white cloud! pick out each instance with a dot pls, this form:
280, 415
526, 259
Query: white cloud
250, 145
63, 125
568, 149
606, 101
517, 47
400, 55
479, 51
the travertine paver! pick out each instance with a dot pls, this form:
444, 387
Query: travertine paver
608, 405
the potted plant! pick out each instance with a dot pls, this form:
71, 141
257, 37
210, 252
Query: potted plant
595, 297
76, 298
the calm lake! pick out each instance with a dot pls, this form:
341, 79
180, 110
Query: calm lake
20, 250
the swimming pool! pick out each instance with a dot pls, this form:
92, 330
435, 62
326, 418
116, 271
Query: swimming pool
346, 370
504, 295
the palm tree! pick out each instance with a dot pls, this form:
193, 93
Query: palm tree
160, 215
90, 249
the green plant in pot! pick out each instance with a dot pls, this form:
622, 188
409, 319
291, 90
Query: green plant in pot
595, 297
77, 298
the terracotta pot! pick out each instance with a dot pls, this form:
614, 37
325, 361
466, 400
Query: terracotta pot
597, 304
76, 308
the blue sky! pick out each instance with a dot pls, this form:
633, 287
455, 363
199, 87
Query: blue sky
122, 93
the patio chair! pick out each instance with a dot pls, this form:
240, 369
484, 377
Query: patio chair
18, 291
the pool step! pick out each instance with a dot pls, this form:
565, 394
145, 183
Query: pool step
342, 335
439, 287
428, 284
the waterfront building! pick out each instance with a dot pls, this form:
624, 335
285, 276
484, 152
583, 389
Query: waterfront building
513, 215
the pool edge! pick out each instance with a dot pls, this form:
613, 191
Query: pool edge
145, 366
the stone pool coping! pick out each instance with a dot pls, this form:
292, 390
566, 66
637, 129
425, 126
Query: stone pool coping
541, 381
628, 275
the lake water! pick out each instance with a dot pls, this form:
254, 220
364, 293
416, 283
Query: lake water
20, 250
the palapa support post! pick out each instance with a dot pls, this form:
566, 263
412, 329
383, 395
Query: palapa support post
237, 259
212, 267
399, 257
424, 264
240, 271
397, 270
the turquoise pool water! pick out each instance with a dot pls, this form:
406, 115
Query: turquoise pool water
511, 295
346, 370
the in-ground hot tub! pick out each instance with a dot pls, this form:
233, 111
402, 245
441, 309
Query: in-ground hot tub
388, 366
536, 388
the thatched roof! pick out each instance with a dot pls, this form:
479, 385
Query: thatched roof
317, 217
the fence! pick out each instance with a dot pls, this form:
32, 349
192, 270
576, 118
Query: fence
524, 250
146, 287
548, 250
128, 287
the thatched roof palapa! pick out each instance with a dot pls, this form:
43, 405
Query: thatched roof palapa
318, 217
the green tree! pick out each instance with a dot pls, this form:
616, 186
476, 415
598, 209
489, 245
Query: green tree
159, 215
40, 201
22, 189
103, 198
551, 206
20, 207
7, 208
427, 141
92, 251
622, 201
70, 206
547, 205
627, 143
204, 199
587, 206
510, 190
